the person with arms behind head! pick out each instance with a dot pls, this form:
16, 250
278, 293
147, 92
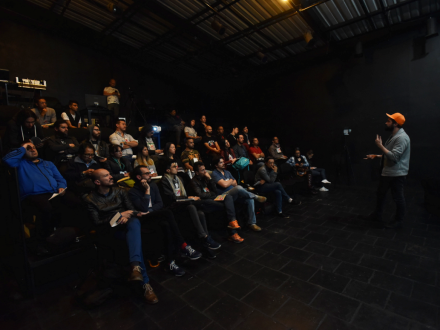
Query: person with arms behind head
22, 128
395, 165
103, 204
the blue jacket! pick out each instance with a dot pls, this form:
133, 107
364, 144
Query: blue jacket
34, 178
141, 201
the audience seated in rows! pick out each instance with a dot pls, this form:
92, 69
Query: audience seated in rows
204, 187
176, 125
143, 158
21, 129
265, 184
210, 148
226, 184
101, 147
72, 117
146, 198
173, 191
61, 147
118, 166
190, 155
45, 115
102, 204
125, 140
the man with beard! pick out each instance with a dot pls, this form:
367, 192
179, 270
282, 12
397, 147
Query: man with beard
45, 115
145, 197
276, 152
395, 164
125, 140
101, 147
210, 146
103, 204
38, 180
61, 147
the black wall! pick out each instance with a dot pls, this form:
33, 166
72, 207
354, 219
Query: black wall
310, 108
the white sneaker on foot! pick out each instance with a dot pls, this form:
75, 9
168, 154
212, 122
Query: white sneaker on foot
323, 189
325, 181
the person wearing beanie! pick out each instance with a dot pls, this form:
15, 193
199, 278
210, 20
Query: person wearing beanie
395, 164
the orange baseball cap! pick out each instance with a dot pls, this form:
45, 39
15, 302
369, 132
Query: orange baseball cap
398, 117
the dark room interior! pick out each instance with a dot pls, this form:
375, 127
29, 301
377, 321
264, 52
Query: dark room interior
338, 219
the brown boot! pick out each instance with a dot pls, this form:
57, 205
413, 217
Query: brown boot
136, 274
150, 296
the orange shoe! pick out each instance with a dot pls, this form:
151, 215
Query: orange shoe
236, 239
233, 225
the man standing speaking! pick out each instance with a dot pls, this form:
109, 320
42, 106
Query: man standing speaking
395, 165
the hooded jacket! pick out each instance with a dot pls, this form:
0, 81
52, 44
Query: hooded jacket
16, 134
101, 147
34, 178
58, 148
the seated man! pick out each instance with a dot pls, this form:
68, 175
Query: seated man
246, 136
226, 184
173, 190
204, 187
146, 198
72, 117
38, 180
301, 167
210, 146
190, 155
103, 204
265, 183
80, 169
126, 141
176, 125
147, 138
240, 149
101, 147
220, 136
61, 146
21, 129
255, 152
318, 174
45, 115
275, 151
232, 137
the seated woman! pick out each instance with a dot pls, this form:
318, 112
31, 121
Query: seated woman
190, 132
143, 158
118, 166
229, 157
147, 138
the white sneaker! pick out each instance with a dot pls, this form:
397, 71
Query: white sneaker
325, 181
323, 189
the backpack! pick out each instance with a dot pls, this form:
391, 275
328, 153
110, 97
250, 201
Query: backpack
241, 164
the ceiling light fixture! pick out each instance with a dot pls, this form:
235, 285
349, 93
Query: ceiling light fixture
308, 37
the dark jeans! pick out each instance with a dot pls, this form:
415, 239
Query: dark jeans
319, 172
211, 206
44, 224
278, 190
178, 129
396, 184
199, 221
165, 219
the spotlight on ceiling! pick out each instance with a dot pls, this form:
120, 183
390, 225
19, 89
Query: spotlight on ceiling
431, 27
263, 58
114, 8
308, 37
359, 49
218, 27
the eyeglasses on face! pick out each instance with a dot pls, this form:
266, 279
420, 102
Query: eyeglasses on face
89, 155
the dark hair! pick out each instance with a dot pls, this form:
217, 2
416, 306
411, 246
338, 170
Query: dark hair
253, 139
83, 146
39, 98
168, 163
137, 171
172, 109
268, 158
310, 152
73, 101
24, 114
58, 123
114, 148
238, 135
189, 122
234, 126
166, 151
297, 149
119, 120
216, 160
190, 138
143, 134
197, 166
395, 122
112, 79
